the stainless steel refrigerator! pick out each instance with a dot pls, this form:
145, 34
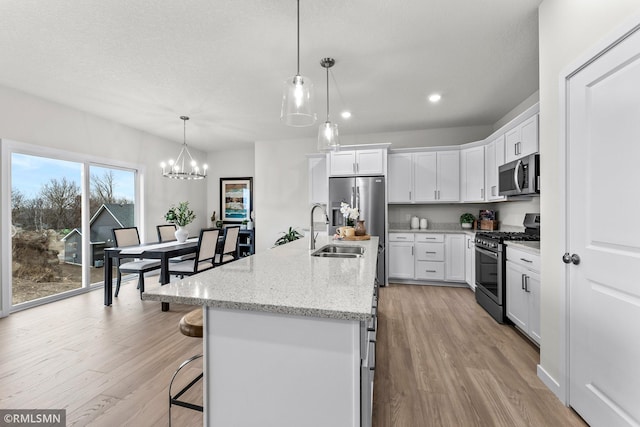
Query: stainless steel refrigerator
367, 193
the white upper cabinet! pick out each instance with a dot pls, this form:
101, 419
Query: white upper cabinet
357, 162
422, 177
493, 158
522, 140
318, 184
425, 176
400, 180
473, 174
448, 176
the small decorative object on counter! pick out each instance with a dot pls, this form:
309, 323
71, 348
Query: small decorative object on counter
423, 224
350, 214
181, 216
288, 236
466, 220
243, 224
415, 222
360, 228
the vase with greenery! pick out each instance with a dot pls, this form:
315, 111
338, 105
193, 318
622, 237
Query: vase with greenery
181, 216
466, 220
288, 236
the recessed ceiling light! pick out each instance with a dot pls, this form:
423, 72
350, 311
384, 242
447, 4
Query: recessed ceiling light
346, 114
435, 97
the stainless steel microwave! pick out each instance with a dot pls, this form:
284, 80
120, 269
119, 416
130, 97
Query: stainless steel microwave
520, 177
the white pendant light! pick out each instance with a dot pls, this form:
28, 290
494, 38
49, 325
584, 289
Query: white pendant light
328, 132
298, 108
177, 168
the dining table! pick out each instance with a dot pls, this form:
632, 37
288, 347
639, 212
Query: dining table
162, 251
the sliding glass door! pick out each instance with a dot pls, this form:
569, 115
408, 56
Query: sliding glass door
62, 214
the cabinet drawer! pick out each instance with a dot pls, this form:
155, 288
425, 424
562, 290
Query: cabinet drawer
429, 237
401, 237
523, 258
429, 251
430, 270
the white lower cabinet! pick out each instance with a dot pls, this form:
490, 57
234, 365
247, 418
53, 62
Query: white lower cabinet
401, 258
455, 265
523, 291
427, 256
470, 261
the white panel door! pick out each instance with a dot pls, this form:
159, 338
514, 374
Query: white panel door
449, 176
399, 181
603, 131
425, 167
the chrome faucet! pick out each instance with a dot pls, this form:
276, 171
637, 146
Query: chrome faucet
312, 240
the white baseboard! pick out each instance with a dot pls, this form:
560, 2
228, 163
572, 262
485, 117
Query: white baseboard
552, 384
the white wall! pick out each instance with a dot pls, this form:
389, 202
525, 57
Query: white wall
29, 119
568, 28
226, 164
281, 175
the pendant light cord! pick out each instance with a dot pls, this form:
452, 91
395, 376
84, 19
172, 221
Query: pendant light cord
298, 37
327, 93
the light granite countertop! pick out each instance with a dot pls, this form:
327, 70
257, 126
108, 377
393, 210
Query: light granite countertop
452, 228
285, 279
532, 247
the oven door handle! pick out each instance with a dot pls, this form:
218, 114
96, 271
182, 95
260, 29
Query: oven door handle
486, 252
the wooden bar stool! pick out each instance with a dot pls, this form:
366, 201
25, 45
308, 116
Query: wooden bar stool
191, 326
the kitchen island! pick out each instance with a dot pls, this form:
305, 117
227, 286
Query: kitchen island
286, 336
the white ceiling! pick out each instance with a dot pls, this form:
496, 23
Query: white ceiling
144, 63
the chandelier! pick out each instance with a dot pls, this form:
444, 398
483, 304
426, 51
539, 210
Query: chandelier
177, 168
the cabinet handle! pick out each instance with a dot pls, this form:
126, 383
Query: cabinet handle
357, 167
430, 271
526, 284
409, 195
411, 250
493, 190
438, 194
468, 241
429, 252
515, 149
435, 194
522, 281
482, 193
526, 260
401, 238
429, 238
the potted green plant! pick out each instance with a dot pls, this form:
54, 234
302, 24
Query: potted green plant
288, 236
181, 216
466, 220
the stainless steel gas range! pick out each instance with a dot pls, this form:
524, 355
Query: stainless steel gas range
491, 265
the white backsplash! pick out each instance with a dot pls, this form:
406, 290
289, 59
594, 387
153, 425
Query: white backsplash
509, 213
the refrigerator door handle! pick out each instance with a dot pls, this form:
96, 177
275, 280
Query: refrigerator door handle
358, 198
353, 195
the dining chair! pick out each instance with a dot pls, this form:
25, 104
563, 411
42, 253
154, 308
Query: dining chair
205, 254
229, 251
129, 236
166, 232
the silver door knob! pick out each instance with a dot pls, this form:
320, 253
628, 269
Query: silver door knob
571, 258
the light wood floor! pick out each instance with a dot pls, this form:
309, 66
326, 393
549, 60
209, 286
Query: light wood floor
441, 361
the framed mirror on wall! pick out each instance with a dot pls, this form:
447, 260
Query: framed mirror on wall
236, 200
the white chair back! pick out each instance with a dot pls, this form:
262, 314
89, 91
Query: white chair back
231, 239
126, 236
166, 233
208, 243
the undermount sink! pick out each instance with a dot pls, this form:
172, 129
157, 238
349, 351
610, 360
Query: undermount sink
339, 251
